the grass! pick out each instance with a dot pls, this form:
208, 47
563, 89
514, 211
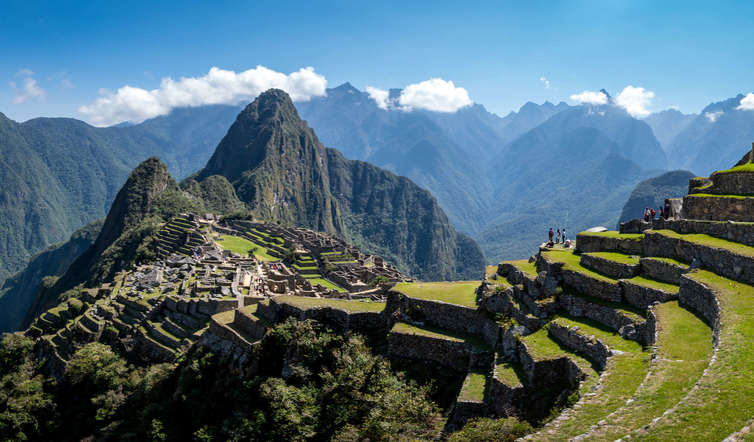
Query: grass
530, 268
615, 234
474, 387
616, 257
242, 246
573, 262
683, 350
590, 328
669, 261
651, 283
315, 279
490, 271
433, 332
710, 241
541, 347
623, 375
341, 304
508, 373
402, 327
236, 244
710, 195
748, 167
461, 293
722, 402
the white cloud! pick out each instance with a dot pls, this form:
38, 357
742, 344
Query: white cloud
590, 97
219, 86
380, 96
747, 102
635, 100
713, 116
434, 94
29, 88
545, 81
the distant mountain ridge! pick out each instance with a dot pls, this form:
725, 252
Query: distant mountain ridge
59, 174
279, 168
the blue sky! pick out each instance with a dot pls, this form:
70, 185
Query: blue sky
687, 53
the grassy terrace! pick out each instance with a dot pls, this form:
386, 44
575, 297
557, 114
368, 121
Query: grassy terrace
318, 279
541, 347
651, 283
434, 332
508, 373
623, 375
711, 195
748, 167
669, 261
722, 403
683, 351
710, 241
617, 257
242, 246
306, 302
615, 234
474, 387
573, 262
459, 292
530, 268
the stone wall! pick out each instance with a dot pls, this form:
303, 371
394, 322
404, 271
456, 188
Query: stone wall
609, 267
249, 325
718, 208
447, 316
592, 286
741, 232
594, 349
444, 352
334, 317
642, 297
598, 243
548, 373
662, 270
505, 400
462, 411
721, 261
628, 328
697, 297
731, 183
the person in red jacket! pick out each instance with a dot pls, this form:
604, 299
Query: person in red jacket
551, 233
653, 213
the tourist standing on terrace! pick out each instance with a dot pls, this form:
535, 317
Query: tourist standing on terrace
551, 233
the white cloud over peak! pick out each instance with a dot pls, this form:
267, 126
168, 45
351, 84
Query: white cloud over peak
635, 100
713, 116
380, 96
545, 81
219, 86
28, 89
434, 94
590, 97
747, 102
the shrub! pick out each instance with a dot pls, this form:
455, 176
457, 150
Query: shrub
492, 430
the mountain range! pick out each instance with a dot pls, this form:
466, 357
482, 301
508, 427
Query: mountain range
59, 174
502, 181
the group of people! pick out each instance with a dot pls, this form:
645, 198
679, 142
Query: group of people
650, 214
559, 235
